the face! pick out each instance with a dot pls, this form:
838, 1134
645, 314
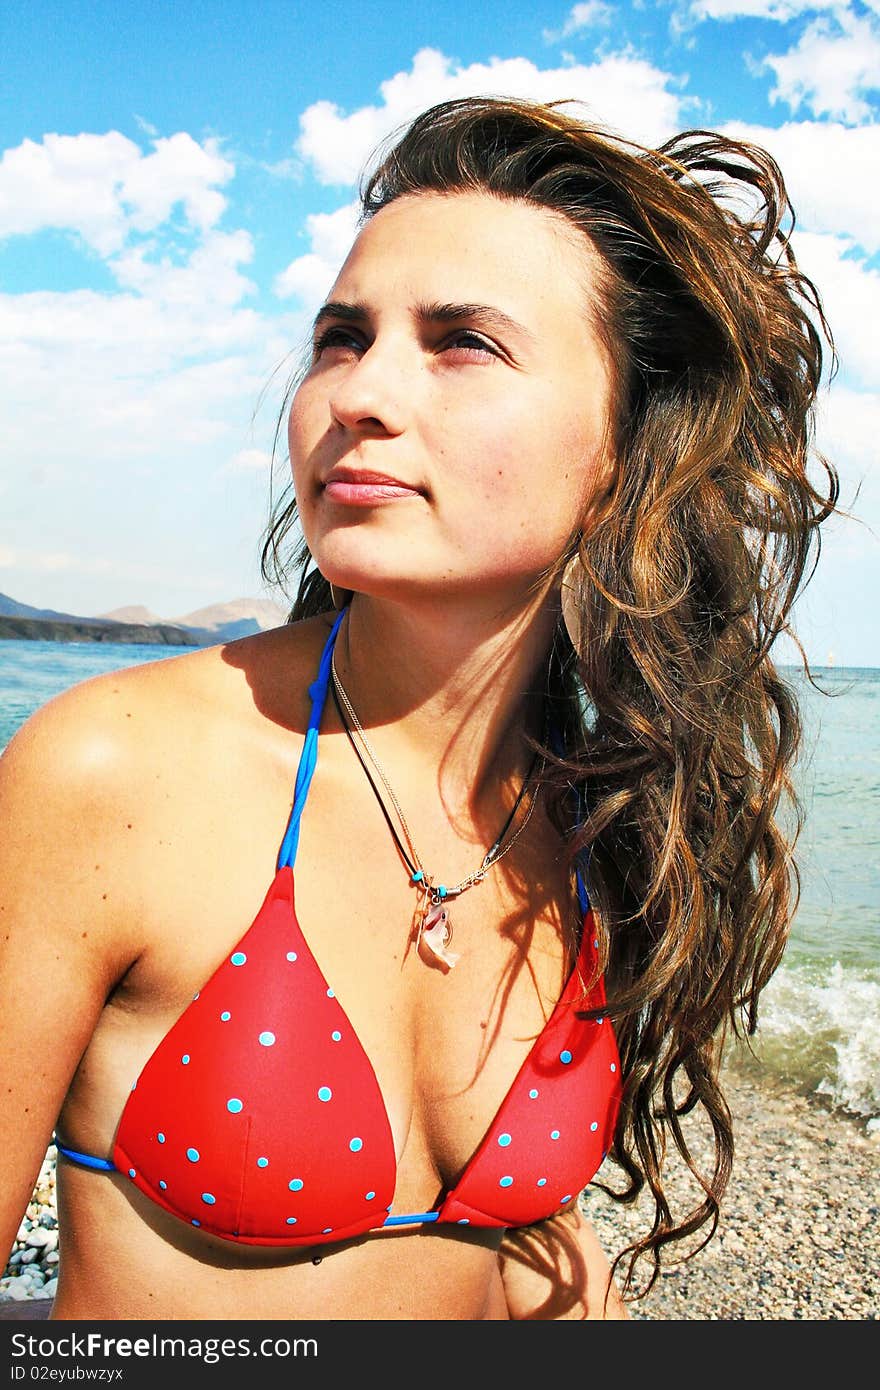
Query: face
450, 433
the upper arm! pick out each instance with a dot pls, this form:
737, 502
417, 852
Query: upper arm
61, 947
557, 1269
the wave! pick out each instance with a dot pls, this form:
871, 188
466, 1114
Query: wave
820, 1029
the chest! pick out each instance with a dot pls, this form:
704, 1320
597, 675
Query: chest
437, 1051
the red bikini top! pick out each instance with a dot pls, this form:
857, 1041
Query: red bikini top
259, 1117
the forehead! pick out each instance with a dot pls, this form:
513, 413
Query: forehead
474, 246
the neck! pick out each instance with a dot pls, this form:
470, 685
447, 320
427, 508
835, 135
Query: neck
447, 693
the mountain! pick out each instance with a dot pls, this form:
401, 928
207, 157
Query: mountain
237, 618
134, 613
11, 608
218, 622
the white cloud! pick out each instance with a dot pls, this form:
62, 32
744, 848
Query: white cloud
832, 70
780, 10
103, 186
51, 561
250, 461
592, 14
623, 91
848, 427
828, 170
850, 293
309, 277
207, 279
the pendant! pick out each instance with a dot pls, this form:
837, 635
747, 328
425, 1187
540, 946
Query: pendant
435, 933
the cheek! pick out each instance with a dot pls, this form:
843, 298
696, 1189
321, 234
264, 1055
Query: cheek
301, 435
521, 466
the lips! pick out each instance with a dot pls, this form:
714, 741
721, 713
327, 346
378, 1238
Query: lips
364, 487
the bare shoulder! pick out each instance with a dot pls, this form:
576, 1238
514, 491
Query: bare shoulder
95, 763
90, 736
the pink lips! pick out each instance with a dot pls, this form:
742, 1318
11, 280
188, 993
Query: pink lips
362, 489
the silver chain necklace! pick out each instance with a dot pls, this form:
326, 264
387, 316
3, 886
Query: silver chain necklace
433, 932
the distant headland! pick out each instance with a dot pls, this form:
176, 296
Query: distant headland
220, 622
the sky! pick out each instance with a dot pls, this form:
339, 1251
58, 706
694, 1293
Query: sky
178, 188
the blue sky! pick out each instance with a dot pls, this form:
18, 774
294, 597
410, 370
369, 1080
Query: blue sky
177, 185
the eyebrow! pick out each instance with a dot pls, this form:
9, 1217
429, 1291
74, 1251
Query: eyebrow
483, 315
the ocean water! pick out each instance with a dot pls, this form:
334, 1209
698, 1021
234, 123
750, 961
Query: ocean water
819, 1019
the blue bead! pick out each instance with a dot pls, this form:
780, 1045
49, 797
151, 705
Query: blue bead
441, 891
417, 876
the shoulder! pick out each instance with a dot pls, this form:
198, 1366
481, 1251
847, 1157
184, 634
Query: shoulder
91, 735
114, 752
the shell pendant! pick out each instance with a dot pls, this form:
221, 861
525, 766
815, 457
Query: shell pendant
435, 934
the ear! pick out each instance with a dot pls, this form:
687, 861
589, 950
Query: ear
604, 486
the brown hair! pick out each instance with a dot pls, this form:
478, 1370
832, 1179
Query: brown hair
680, 733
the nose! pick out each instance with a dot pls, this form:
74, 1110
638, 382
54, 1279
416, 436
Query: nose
369, 395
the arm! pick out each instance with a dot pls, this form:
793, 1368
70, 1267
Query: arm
557, 1269
60, 948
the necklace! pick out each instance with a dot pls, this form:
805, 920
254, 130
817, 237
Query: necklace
433, 932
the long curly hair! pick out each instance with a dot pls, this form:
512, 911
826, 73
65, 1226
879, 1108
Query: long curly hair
680, 734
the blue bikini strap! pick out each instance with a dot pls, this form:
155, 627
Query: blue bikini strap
103, 1165
309, 755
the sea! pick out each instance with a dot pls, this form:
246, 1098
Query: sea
819, 1017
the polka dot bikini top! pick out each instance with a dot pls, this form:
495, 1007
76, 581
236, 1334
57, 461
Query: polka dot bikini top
259, 1117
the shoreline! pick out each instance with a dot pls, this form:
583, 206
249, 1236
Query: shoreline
798, 1237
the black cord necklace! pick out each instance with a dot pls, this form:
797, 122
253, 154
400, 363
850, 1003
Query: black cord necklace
434, 929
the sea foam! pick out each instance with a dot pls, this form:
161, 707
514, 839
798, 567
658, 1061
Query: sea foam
821, 1030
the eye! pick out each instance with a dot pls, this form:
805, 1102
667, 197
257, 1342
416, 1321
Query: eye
335, 337
472, 344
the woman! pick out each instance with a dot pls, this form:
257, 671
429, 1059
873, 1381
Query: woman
549, 456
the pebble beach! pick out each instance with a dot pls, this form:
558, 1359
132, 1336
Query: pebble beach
798, 1238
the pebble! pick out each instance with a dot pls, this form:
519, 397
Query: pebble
797, 1237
